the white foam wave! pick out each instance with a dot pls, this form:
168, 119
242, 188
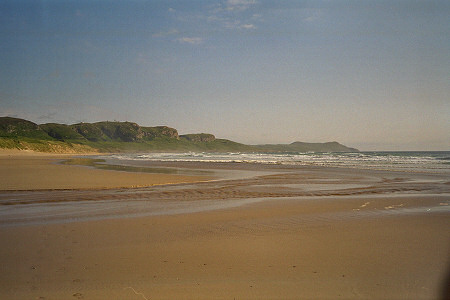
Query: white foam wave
367, 160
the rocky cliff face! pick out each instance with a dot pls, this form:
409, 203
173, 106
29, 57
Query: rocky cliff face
198, 137
95, 132
160, 131
123, 131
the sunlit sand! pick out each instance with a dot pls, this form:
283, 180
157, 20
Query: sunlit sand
257, 237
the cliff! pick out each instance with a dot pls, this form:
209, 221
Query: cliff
121, 131
198, 137
109, 136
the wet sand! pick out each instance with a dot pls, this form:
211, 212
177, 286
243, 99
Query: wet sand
31, 171
289, 233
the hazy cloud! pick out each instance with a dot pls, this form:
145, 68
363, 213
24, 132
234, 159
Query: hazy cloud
165, 33
248, 26
234, 6
257, 17
190, 40
214, 18
312, 15
238, 25
239, 5
230, 14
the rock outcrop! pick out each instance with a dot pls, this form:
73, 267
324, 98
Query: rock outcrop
198, 137
160, 131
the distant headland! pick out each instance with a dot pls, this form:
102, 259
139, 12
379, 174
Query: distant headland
107, 137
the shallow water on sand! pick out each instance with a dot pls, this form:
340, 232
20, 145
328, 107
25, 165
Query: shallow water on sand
236, 188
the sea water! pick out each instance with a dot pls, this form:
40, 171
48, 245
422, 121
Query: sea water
427, 162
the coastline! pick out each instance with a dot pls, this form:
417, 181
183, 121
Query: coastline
273, 232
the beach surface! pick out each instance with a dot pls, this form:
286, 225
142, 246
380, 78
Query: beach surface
20, 170
267, 232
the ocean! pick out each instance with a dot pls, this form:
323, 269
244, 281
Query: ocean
416, 161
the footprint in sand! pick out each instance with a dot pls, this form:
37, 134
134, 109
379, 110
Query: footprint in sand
78, 295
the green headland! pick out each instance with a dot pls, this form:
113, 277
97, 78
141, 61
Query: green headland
107, 137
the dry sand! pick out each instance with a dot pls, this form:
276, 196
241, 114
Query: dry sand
364, 241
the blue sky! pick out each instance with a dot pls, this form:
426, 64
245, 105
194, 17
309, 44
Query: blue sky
370, 74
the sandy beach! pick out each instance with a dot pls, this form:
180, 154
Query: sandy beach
278, 233
39, 171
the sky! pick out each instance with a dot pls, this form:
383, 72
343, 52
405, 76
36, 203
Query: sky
374, 75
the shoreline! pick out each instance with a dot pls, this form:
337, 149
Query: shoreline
255, 232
